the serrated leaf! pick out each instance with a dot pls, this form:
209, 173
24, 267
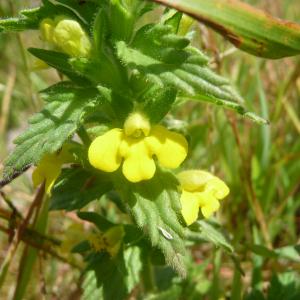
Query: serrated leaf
133, 264
166, 58
155, 206
18, 24
112, 278
158, 102
76, 187
50, 128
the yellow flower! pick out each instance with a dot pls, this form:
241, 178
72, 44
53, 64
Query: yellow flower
109, 241
72, 236
200, 189
67, 35
49, 168
136, 145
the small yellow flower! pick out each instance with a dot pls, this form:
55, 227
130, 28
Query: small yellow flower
200, 189
136, 145
67, 35
49, 168
109, 241
72, 236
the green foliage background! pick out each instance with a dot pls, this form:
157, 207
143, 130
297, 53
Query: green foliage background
260, 164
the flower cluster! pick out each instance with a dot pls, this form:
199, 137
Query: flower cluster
200, 190
135, 145
67, 35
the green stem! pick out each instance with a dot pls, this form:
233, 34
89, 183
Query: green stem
148, 276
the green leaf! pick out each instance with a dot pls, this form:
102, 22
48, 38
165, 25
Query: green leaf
284, 286
262, 251
206, 231
248, 28
59, 61
174, 21
158, 102
172, 293
133, 266
76, 187
291, 252
31, 18
50, 128
85, 10
102, 71
18, 24
28, 19
155, 206
112, 278
166, 59
91, 290
81, 247
98, 220
122, 17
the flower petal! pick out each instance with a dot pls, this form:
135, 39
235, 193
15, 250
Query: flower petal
47, 28
103, 153
217, 187
47, 170
138, 163
190, 207
208, 203
194, 180
170, 147
210, 208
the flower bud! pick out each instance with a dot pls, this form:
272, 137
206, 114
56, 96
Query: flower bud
71, 38
67, 35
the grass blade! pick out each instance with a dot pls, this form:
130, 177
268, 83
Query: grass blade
248, 28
